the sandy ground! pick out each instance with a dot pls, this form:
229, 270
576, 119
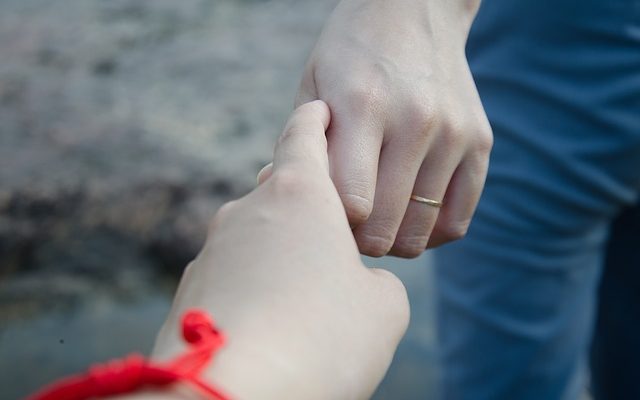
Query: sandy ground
123, 126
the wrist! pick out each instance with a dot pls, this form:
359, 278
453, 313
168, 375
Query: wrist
448, 21
453, 17
272, 373
258, 361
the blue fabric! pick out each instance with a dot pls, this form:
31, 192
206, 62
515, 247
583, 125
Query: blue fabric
615, 352
560, 82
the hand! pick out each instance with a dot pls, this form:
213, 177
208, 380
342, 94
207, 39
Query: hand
281, 274
406, 119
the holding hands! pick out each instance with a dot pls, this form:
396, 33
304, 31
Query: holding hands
406, 120
281, 274
280, 269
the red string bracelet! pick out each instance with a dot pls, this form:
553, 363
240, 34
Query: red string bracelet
134, 371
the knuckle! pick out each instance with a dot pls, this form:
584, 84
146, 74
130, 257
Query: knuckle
454, 231
419, 125
453, 134
292, 129
221, 216
407, 252
303, 125
484, 141
357, 207
289, 183
363, 97
374, 245
410, 246
426, 120
422, 113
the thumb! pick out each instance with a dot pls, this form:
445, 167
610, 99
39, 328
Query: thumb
303, 143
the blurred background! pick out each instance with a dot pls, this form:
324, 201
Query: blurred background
124, 125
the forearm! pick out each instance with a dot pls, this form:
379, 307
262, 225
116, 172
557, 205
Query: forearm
241, 375
256, 362
267, 353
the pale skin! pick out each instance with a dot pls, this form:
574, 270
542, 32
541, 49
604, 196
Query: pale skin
280, 269
407, 119
281, 274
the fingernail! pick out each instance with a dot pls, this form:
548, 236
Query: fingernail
264, 173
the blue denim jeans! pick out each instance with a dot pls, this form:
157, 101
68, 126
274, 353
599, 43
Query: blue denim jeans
518, 297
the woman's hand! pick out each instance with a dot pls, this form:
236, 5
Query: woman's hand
281, 274
406, 119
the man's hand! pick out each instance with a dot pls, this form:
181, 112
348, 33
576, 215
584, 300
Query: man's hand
406, 119
281, 274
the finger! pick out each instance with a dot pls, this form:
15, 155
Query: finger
303, 143
354, 151
396, 177
420, 218
264, 173
462, 197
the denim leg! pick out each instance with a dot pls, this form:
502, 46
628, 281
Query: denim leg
516, 298
516, 302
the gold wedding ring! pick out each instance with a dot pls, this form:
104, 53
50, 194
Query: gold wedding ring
429, 202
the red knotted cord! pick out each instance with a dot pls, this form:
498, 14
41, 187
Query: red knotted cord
134, 371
